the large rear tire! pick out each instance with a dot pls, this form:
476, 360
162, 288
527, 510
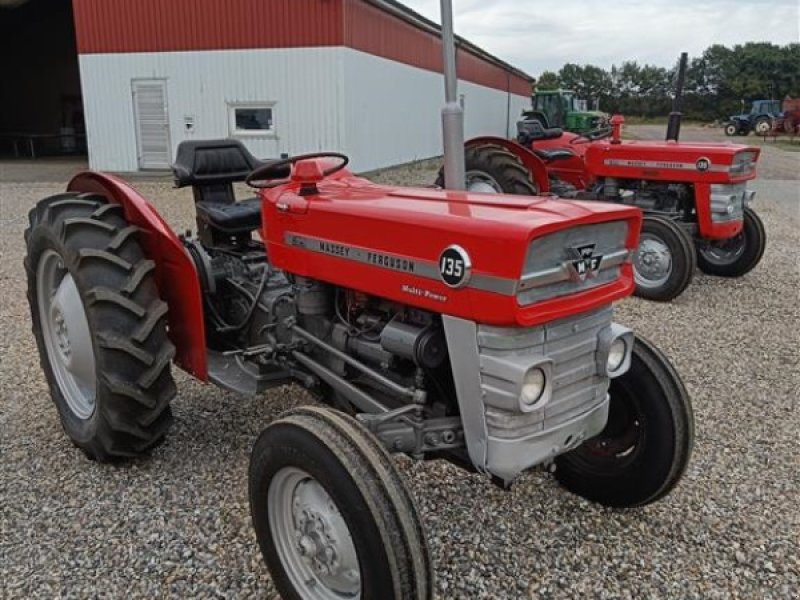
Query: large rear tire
331, 513
762, 126
646, 445
100, 326
494, 170
665, 261
738, 255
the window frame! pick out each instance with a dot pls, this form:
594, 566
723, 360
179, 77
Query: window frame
234, 131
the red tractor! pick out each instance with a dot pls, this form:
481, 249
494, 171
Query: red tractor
694, 195
440, 324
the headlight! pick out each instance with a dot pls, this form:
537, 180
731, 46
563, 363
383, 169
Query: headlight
616, 354
533, 386
614, 348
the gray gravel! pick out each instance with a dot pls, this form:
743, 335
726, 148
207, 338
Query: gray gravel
177, 524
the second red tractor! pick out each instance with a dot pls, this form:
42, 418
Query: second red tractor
694, 195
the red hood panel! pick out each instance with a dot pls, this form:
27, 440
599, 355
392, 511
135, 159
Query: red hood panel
333, 236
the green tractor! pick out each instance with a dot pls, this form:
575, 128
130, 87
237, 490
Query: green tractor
561, 108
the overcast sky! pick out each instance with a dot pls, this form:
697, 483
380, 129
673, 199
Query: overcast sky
536, 35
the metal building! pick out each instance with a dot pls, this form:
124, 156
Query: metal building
286, 76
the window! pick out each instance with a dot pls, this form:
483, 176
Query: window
251, 119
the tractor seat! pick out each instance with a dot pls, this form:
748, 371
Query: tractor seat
549, 156
236, 217
532, 130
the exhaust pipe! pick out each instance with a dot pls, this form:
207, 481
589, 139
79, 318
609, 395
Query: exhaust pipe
452, 112
674, 123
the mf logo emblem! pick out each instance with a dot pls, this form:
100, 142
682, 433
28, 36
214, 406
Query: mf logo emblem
703, 164
583, 262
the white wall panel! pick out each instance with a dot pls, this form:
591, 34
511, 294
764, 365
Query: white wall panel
378, 111
393, 111
304, 83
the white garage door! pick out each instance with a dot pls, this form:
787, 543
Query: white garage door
152, 123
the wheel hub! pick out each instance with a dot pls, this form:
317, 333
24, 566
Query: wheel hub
652, 263
314, 543
478, 181
66, 334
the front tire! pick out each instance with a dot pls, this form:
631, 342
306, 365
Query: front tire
331, 513
494, 170
100, 326
738, 255
731, 129
665, 261
646, 445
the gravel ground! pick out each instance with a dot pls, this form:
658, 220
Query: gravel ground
177, 524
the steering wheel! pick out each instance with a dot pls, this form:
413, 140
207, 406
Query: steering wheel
593, 135
278, 172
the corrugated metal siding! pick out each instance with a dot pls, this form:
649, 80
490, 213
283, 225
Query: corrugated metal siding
106, 26
126, 26
200, 85
370, 29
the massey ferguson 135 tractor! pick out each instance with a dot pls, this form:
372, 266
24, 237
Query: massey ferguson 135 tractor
694, 195
442, 324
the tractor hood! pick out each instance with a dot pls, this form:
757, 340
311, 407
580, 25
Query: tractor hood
497, 259
701, 162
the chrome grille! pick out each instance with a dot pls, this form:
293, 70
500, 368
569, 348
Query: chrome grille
727, 202
546, 272
577, 387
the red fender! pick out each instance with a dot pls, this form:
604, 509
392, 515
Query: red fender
175, 272
530, 161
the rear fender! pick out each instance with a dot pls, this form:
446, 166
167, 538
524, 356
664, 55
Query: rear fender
529, 160
175, 272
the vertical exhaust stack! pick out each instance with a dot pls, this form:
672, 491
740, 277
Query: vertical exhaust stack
452, 112
674, 123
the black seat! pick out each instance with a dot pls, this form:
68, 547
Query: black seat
236, 217
549, 156
212, 162
531, 130
211, 167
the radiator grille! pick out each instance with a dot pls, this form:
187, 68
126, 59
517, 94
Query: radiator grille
570, 344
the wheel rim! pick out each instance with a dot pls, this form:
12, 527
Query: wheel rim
730, 130
763, 127
478, 181
66, 334
621, 441
724, 252
312, 539
652, 263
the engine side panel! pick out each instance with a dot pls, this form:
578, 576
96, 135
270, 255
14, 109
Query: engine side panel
175, 273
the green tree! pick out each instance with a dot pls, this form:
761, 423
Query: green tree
548, 80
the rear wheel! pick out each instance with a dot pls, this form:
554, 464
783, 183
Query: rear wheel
100, 326
737, 255
494, 170
331, 513
665, 262
645, 447
762, 126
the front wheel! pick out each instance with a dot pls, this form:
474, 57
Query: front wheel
731, 129
645, 447
665, 262
331, 513
737, 255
